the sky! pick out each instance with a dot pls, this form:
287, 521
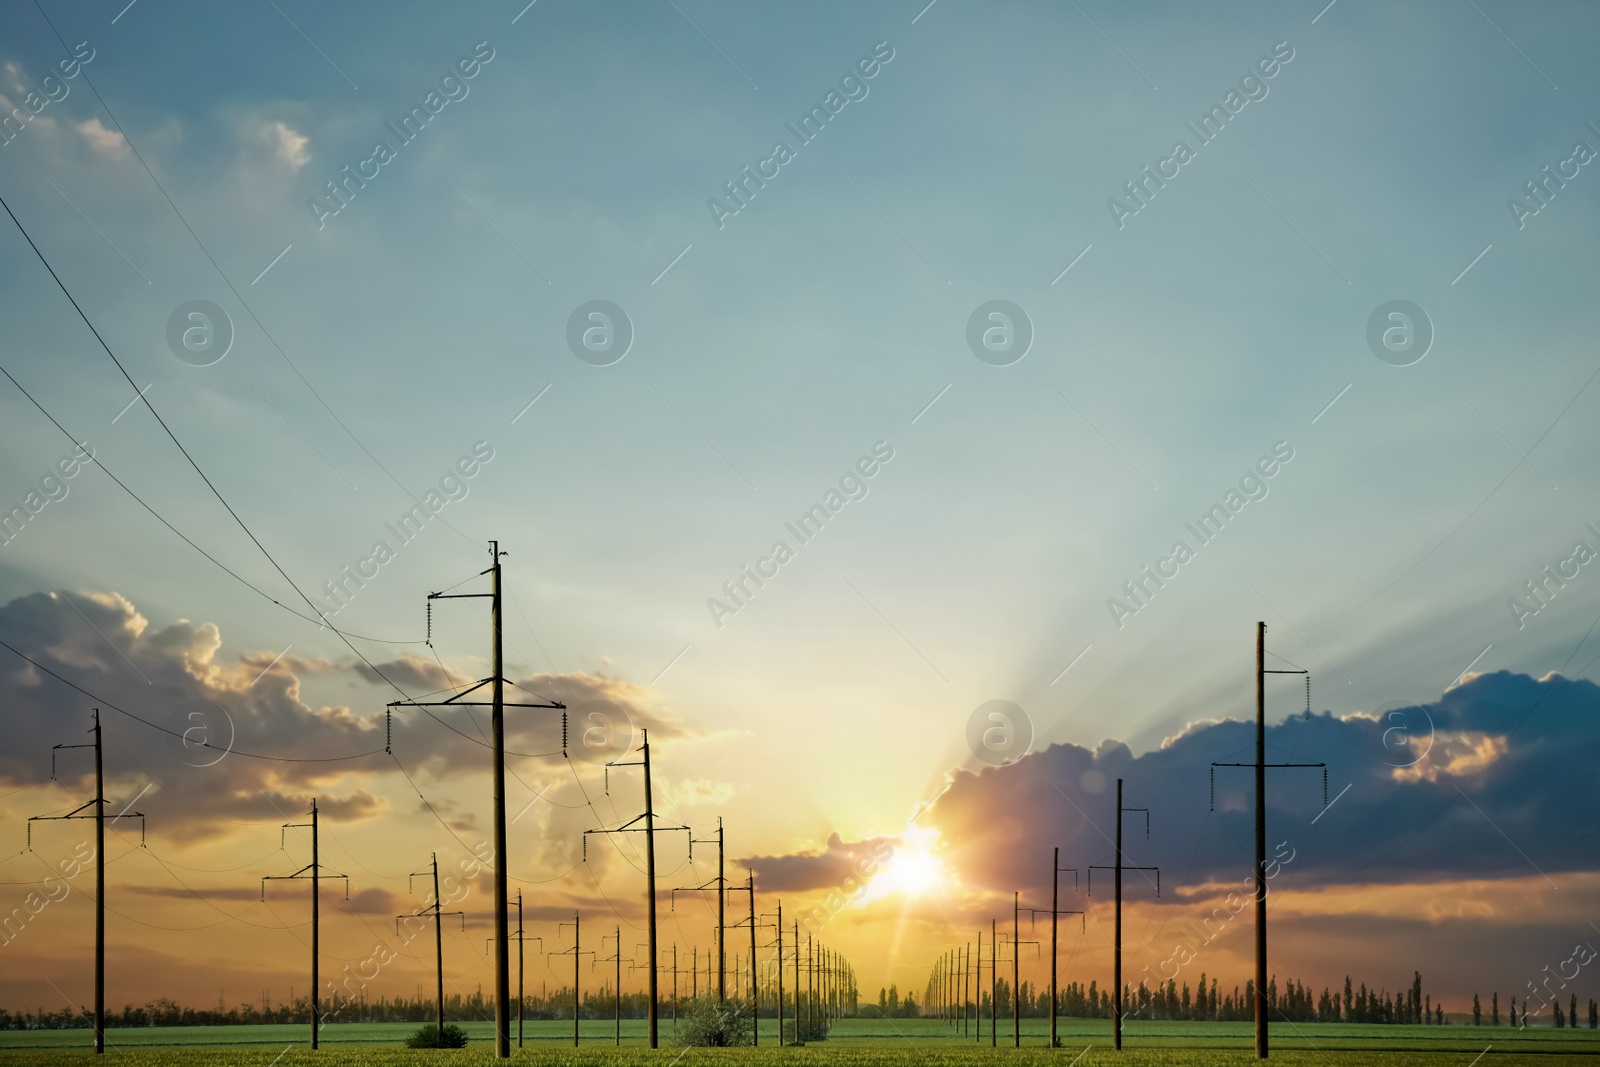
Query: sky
779, 481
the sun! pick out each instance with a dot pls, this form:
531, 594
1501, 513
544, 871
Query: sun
914, 870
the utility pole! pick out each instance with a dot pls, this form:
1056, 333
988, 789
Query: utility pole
977, 987
617, 993
497, 704
966, 991
521, 944
798, 1039
438, 939
1016, 970
649, 829
994, 984
721, 883
1260, 765
575, 951
99, 817
780, 974
1055, 914
315, 867
1119, 867
755, 1002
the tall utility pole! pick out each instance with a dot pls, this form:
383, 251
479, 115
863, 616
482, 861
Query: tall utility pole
1055, 913
1016, 969
649, 829
99, 817
780, 973
755, 1002
438, 940
994, 984
315, 869
497, 704
721, 883
617, 993
1260, 765
977, 987
966, 991
799, 1039
521, 944
1119, 867
575, 951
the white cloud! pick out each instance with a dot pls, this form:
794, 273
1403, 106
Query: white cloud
108, 143
289, 146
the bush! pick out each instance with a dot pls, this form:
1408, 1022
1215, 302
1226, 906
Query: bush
428, 1037
711, 1023
815, 1028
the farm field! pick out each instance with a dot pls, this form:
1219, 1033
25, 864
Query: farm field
856, 1043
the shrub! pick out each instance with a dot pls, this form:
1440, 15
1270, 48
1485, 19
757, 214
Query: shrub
429, 1037
710, 1023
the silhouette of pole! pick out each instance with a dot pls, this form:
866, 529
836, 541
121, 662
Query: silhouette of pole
1261, 841
1117, 1007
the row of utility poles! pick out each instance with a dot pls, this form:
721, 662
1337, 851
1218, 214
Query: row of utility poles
830, 981
955, 973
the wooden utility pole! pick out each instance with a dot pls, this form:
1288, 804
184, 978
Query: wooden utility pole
798, 1038
780, 974
521, 944
994, 984
755, 1007
977, 987
1056, 912
315, 869
99, 817
438, 940
1117, 1009
721, 883
1016, 969
1260, 767
576, 951
649, 829
497, 704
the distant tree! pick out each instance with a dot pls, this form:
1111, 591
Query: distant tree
1560, 1021
1416, 997
1594, 1015
883, 1001
1477, 1011
1513, 1009
1440, 1020
1573, 1013
1427, 1008
1494, 1009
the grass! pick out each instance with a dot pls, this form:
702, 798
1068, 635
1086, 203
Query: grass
855, 1043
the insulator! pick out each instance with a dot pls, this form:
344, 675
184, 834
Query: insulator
1158, 882
388, 730
608, 780
586, 848
1213, 789
429, 641
563, 733
1324, 789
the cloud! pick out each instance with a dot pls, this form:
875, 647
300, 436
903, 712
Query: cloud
1481, 782
289, 146
827, 868
108, 143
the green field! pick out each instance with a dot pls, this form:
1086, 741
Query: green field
855, 1043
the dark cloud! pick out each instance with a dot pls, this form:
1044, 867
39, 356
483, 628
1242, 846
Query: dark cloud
825, 869
1487, 781
176, 678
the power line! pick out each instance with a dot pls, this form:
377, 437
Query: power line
321, 623
173, 733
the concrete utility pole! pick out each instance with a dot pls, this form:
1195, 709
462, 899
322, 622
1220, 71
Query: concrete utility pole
1116, 993
497, 704
755, 1005
99, 817
1055, 913
575, 952
721, 883
315, 869
438, 940
649, 829
1260, 766
521, 944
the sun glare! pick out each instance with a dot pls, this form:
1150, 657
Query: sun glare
914, 870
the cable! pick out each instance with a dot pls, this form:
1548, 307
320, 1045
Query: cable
226, 281
172, 733
321, 622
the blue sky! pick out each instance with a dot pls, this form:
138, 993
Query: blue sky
775, 351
